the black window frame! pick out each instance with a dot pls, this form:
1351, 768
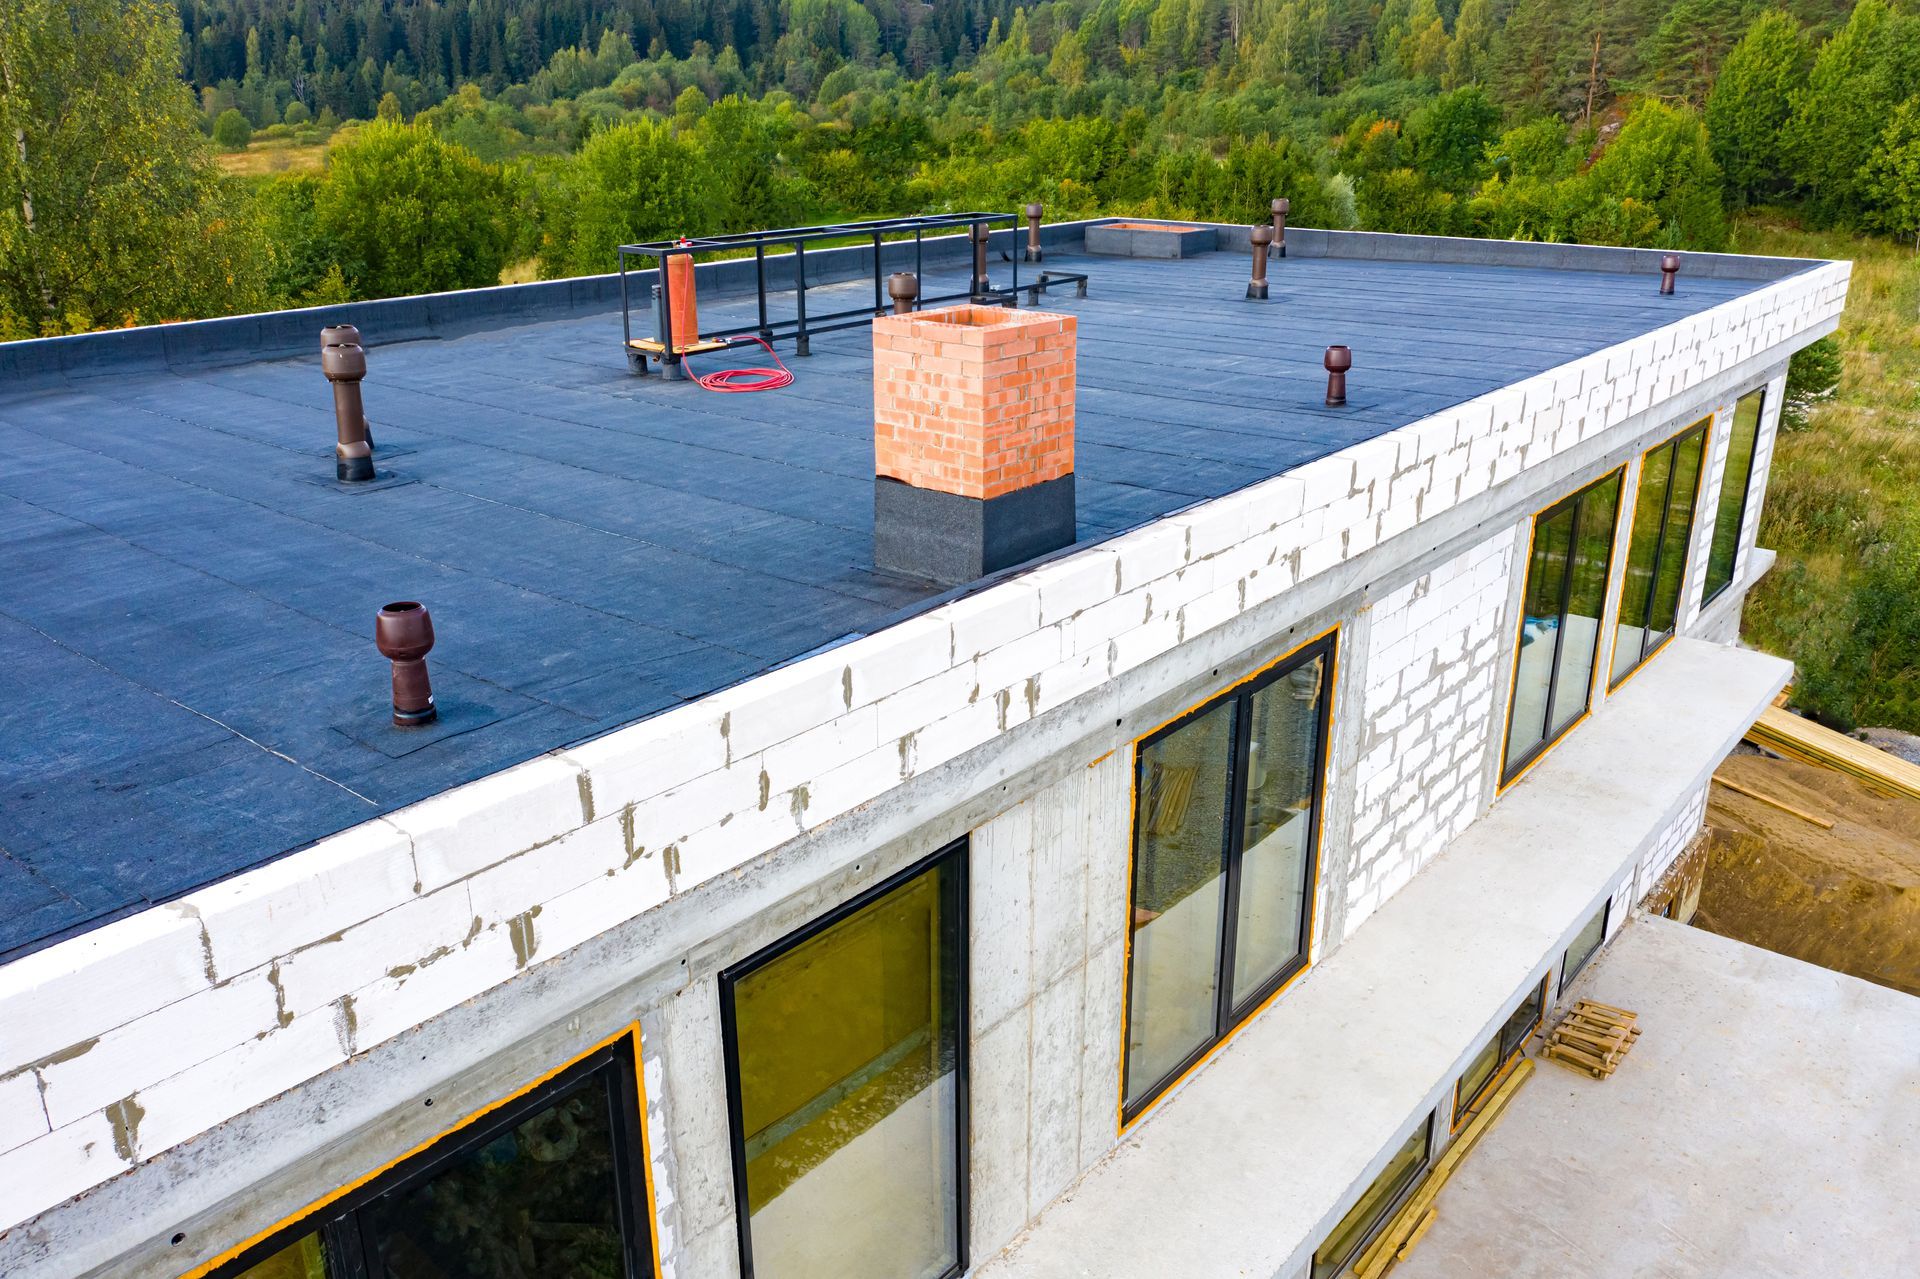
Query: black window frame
1229, 1016
1570, 970
1366, 1238
1713, 592
1464, 1106
960, 851
1510, 768
349, 1255
1617, 674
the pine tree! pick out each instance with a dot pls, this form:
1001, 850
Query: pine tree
1747, 110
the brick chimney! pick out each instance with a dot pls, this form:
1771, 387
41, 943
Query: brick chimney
973, 440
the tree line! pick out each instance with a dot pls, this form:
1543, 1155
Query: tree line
1473, 119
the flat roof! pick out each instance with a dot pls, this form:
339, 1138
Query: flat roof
1762, 1125
187, 598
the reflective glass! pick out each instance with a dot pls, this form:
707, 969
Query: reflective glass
1277, 840
539, 1199
1539, 632
1180, 828
1586, 602
1735, 479
848, 1052
1374, 1206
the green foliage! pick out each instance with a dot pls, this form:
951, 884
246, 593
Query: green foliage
232, 131
1857, 78
408, 212
1662, 161
636, 181
1748, 108
111, 208
1812, 375
1867, 669
297, 113
1891, 178
1449, 137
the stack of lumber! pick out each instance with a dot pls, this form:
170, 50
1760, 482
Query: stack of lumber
1792, 737
1592, 1038
1418, 1213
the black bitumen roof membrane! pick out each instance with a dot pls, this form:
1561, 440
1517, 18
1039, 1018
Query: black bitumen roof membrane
188, 682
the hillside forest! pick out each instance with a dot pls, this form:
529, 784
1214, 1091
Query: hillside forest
224, 156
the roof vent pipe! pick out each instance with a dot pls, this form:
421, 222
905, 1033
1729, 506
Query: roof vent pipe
345, 362
978, 233
1281, 207
1033, 232
904, 288
1262, 236
1338, 360
1669, 267
403, 632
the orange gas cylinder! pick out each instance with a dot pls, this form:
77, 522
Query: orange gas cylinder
680, 292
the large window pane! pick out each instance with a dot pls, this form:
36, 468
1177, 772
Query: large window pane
1657, 554
1586, 601
845, 1052
539, 1199
1179, 876
1561, 608
1282, 780
1656, 472
1540, 632
1735, 482
1226, 832
1376, 1205
1676, 537
546, 1182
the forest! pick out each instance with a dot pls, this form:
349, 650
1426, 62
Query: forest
234, 155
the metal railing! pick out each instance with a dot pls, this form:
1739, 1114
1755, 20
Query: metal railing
801, 326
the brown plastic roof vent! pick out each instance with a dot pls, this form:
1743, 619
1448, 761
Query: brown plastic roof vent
345, 363
403, 632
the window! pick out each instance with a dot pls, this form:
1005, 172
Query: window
1735, 483
1560, 619
550, 1183
846, 1083
1584, 944
1225, 834
1657, 551
1366, 1218
1500, 1051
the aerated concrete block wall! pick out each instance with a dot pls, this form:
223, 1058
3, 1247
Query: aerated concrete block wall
1664, 851
143, 1035
1432, 698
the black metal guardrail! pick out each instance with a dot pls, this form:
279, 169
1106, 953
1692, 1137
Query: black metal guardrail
801, 326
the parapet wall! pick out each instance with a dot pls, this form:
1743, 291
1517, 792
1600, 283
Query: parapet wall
127, 1041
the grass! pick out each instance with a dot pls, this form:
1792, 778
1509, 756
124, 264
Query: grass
1843, 503
274, 155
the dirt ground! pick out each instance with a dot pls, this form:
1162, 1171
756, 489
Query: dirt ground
1847, 898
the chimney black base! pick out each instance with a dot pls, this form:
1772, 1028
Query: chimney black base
951, 540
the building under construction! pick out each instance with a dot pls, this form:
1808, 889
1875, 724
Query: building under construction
1103, 772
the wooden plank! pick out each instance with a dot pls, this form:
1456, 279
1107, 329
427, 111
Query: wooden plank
1419, 1231
1824, 823
1406, 1226
1801, 739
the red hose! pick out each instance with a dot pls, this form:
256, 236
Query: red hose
735, 380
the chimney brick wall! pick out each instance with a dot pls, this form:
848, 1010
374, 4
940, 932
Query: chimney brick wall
973, 400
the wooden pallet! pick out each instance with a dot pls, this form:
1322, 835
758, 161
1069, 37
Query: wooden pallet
1789, 735
1592, 1038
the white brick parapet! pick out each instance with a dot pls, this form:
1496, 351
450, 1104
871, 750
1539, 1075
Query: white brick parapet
129, 1039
